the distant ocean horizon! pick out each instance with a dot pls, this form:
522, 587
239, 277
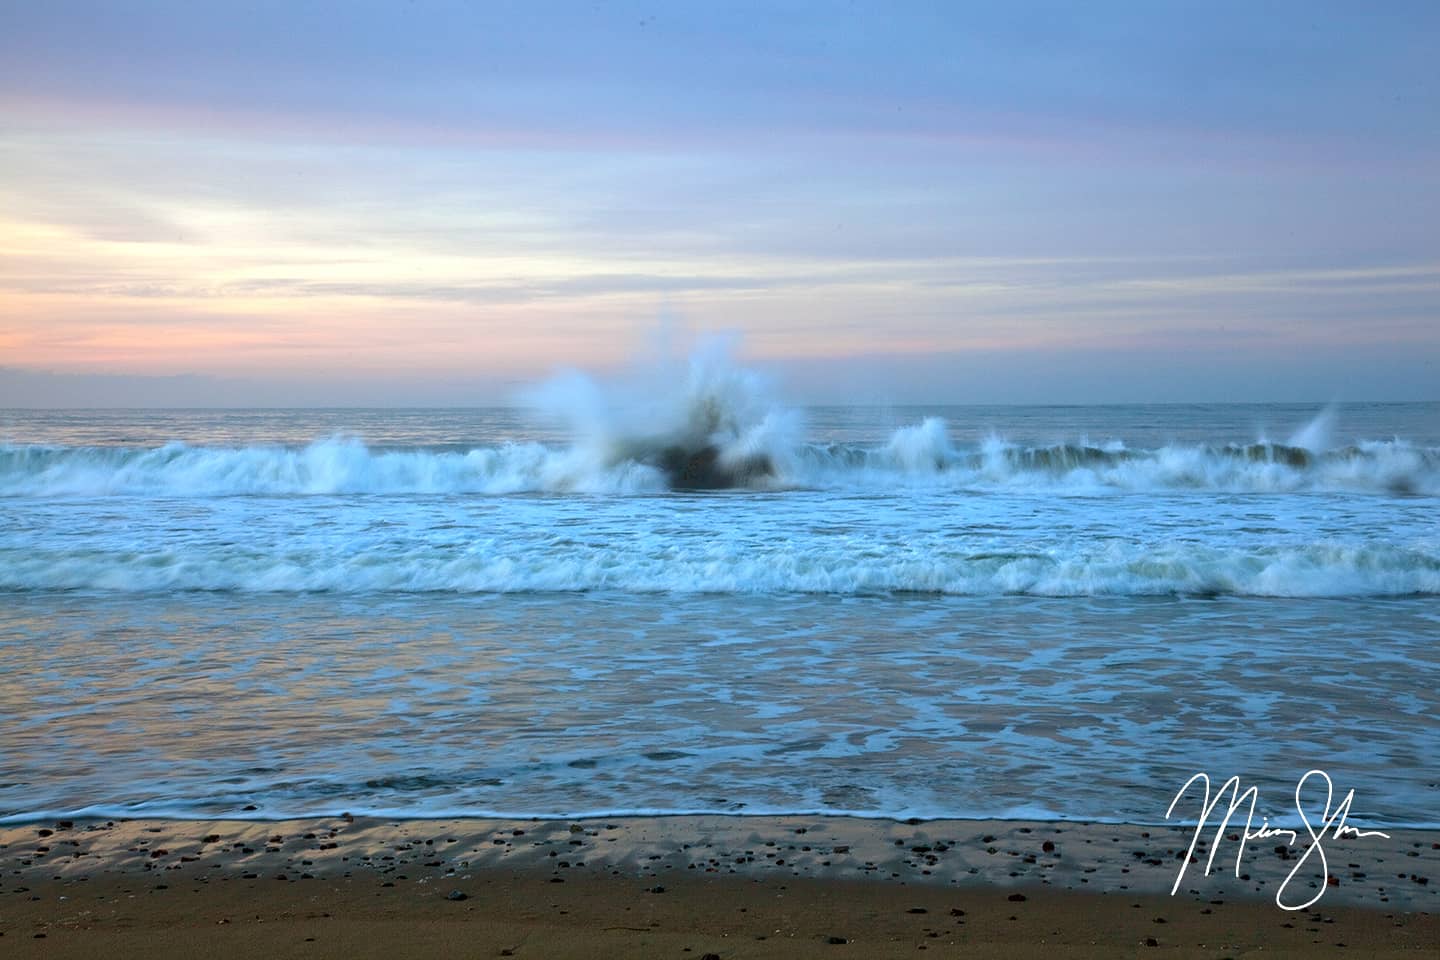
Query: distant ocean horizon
690, 598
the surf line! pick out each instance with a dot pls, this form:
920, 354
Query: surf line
1331, 822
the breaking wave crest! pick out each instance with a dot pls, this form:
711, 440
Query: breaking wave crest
709, 424
924, 452
920, 455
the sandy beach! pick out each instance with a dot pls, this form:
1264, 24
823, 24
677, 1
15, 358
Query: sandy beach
694, 886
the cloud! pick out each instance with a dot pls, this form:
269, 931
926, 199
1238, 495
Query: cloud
494, 187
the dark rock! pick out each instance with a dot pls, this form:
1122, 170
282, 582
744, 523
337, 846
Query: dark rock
701, 469
457, 895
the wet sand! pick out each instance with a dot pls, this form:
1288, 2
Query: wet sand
692, 887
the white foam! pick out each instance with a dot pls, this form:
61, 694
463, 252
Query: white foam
739, 566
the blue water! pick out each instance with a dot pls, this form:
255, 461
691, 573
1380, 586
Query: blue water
989, 611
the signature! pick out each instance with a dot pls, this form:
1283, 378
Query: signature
1331, 823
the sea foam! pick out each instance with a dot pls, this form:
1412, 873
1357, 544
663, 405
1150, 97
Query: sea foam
759, 456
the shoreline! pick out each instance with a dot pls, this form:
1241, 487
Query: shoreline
727, 885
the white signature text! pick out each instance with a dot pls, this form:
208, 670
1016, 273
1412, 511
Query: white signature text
1331, 823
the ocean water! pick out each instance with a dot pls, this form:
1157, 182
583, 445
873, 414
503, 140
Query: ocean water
1055, 612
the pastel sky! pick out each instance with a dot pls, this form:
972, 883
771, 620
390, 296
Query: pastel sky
435, 203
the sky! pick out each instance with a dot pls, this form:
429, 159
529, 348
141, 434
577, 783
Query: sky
436, 203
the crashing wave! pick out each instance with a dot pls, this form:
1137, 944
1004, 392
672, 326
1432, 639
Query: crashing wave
913, 456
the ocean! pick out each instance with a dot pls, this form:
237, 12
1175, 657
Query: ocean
715, 603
